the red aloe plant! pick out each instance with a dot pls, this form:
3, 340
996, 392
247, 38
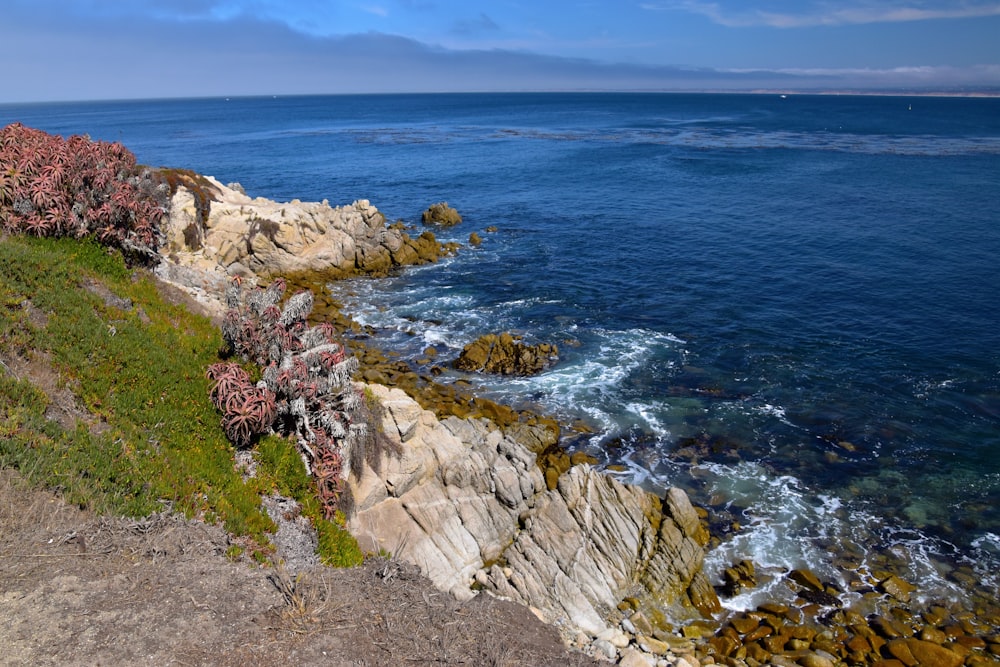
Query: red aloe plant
305, 392
248, 410
249, 417
229, 381
53, 186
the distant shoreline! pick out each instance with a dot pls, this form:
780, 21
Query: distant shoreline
971, 94
991, 94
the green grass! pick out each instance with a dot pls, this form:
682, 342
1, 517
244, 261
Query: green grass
141, 371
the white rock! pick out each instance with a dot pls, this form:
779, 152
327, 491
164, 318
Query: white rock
605, 649
620, 639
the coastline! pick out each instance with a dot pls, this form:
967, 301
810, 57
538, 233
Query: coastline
427, 495
879, 619
220, 235
884, 599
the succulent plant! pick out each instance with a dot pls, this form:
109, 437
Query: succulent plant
305, 391
50, 186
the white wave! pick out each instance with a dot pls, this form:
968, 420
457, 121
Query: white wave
778, 512
924, 388
649, 416
438, 336
784, 526
774, 411
595, 378
988, 541
532, 301
922, 559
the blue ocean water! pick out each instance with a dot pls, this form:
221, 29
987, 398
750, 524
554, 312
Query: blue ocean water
790, 306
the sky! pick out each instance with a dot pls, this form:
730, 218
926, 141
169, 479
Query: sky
127, 49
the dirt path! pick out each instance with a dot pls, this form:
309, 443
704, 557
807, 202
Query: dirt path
76, 589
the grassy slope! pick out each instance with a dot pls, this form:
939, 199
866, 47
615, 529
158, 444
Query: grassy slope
141, 371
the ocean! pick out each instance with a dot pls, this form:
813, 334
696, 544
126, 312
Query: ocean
787, 305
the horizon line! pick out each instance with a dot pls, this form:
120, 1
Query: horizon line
985, 92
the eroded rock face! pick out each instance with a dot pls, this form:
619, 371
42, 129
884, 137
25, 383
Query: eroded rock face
505, 354
470, 507
240, 235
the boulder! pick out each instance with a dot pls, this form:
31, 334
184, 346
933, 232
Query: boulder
738, 577
470, 507
932, 655
633, 658
806, 579
441, 214
897, 588
506, 354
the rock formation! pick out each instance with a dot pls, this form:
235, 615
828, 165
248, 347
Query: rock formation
506, 354
218, 229
471, 508
441, 214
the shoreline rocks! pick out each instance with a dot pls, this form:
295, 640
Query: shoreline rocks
506, 354
888, 635
466, 502
470, 507
441, 215
614, 567
216, 229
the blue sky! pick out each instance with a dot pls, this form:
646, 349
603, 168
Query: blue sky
115, 49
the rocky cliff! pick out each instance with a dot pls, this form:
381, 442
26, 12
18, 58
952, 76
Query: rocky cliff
214, 231
470, 507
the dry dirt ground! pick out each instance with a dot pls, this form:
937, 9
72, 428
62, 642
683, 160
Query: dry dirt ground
77, 589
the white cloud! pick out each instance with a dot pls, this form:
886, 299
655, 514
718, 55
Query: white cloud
62, 56
823, 15
376, 10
